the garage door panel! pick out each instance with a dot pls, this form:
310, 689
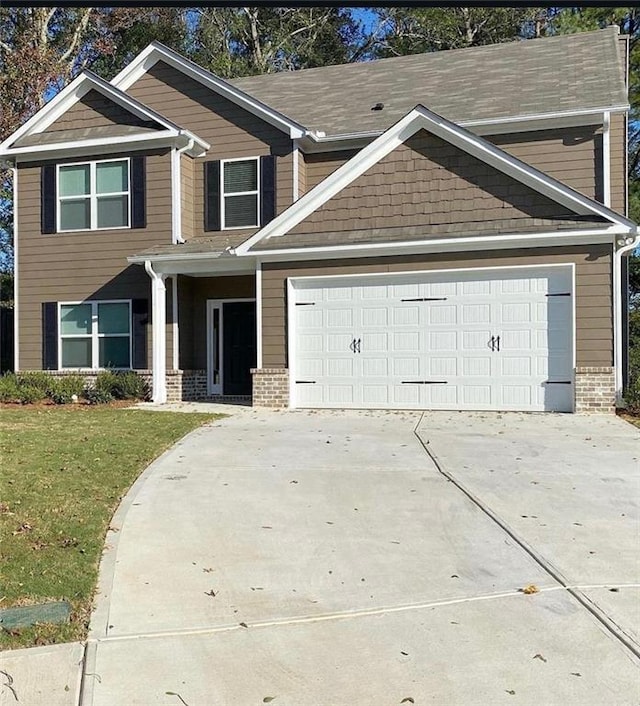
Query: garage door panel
361, 341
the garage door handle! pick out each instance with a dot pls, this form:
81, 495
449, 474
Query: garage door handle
358, 345
492, 343
498, 343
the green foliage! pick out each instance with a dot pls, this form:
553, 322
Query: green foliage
28, 394
42, 381
94, 395
67, 389
9, 389
122, 385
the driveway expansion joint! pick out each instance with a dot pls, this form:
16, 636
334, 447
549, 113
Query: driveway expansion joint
612, 627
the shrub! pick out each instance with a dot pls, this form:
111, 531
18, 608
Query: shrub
42, 381
64, 389
28, 394
122, 385
95, 395
9, 390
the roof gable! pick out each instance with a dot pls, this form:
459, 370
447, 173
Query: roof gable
565, 200
156, 52
105, 104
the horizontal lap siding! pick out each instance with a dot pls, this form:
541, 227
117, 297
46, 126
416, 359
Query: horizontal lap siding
94, 110
571, 155
83, 265
593, 291
618, 162
231, 131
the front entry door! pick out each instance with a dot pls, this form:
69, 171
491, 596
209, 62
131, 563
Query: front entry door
238, 347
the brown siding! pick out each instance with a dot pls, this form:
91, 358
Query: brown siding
94, 110
428, 181
187, 166
593, 291
571, 155
319, 166
83, 265
618, 140
231, 131
193, 293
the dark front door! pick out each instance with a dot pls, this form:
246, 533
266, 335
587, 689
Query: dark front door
238, 347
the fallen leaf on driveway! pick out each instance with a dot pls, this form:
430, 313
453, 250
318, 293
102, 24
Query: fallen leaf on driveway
531, 588
211, 593
244, 625
576, 674
539, 656
408, 700
510, 691
268, 699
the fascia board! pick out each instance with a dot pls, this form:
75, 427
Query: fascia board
156, 52
435, 245
112, 144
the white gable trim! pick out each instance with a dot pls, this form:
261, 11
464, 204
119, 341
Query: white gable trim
155, 52
419, 118
73, 93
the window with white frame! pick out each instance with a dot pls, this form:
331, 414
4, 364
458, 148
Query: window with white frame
94, 195
95, 335
240, 193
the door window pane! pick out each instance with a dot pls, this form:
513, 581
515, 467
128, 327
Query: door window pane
74, 181
112, 177
113, 318
114, 352
75, 215
241, 211
113, 211
76, 352
240, 176
75, 319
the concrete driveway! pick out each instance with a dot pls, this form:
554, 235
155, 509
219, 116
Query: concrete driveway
326, 559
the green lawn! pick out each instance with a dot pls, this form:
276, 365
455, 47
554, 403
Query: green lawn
64, 471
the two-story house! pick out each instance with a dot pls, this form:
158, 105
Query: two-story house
437, 231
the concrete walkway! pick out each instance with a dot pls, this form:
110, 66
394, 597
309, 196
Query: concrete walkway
323, 559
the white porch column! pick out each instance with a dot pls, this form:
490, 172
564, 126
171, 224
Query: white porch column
159, 333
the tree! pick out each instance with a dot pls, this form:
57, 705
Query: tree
255, 40
403, 30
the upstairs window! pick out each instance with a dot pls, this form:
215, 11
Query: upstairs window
94, 195
240, 193
95, 335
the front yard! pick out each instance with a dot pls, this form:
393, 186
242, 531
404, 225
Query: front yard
64, 471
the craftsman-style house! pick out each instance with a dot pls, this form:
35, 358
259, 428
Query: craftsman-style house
437, 231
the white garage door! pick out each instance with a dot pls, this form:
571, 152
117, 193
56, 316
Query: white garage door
489, 339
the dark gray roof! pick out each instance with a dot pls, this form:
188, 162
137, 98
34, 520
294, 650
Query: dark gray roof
85, 133
528, 77
447, 230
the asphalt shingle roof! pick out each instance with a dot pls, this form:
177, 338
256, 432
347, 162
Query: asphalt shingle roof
555, 74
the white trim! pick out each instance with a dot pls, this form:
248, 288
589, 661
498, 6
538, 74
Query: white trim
293, 288
258, 314
159, 334
93, 195
497, 242
606, 160
295, 155
623, 246
211, 305
16, 310
156, 51
175, 363
416, 119
254, 192
95, 335
544, 116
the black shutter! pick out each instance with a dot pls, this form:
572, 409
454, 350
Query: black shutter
268, 189
139, 321
49, 336
138, 192
48, 198
212, 195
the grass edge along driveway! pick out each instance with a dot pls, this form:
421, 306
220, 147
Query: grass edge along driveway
64, 472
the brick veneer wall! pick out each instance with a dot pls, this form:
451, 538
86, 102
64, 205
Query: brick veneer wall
595, 390
270, 387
